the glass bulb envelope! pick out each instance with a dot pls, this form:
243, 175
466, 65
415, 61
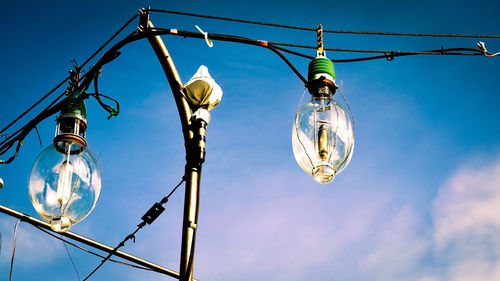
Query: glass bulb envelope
322, 138
65, 184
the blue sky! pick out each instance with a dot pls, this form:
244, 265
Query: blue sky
419, 200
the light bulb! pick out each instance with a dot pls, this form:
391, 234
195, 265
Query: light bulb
65, 180
322, 138
323, 134
64, 188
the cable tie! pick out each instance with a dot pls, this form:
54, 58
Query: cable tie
209, 42
485, 52
263, 43
112, 113
174, 31
482, 47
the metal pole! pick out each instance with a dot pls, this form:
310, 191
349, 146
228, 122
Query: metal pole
89, 242
194, 137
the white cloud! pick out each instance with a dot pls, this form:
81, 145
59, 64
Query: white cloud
297, 232
280, 229
353, 236
467, 224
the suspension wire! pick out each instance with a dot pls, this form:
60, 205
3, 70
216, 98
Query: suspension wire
71, 260
350, 111
91, 252
35, 104
110, 39
53, 108
13, 250
130, 236
24, 131
433, 52
63, 82
236, 39
113, 52
152, 214
325, 30
274, 46
277, 47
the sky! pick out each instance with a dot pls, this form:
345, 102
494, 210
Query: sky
418, 201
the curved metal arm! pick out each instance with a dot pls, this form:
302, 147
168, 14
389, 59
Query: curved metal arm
191, 133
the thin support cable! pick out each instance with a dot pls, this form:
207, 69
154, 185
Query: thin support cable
297, 131
131, 236
13, 250
71, 260
235, 39
110, 39
386, 54
326, 30
86, 79
67, 78
91, 252
349, 109
35, 104
112, 53
152, 214
431, 52
353, 126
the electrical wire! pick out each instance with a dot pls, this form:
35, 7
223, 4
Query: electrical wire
276, 47
236, 39
13, 250
432, 52
18, 136
71, 260
34, 105
110, 39
148, 218
112, 111
91, 252
67, 78
325, 30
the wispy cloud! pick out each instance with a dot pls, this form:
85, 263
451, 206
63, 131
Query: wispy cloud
467, 224
288, 230
357, 236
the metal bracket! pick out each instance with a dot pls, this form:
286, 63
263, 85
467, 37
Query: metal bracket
143, 19
192, 225
319, 32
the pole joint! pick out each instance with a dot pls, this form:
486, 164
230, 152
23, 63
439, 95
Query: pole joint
143, 19
196, 151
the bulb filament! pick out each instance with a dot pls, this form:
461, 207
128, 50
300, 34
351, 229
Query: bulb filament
64, 183
323, 142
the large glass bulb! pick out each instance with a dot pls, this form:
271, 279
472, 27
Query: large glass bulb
322, 138
64, 184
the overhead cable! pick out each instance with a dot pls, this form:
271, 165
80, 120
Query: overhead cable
325, 30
